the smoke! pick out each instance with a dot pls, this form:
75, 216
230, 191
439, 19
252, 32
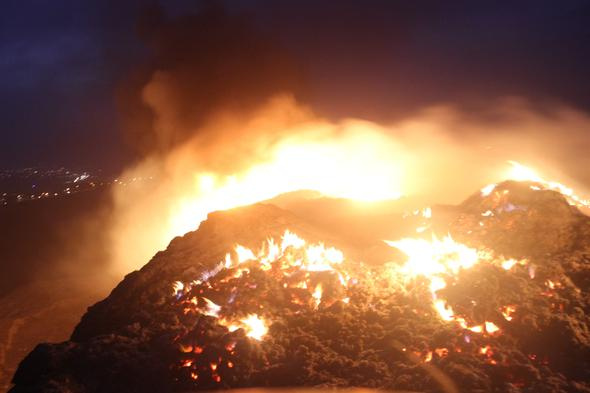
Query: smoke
442, 154
219, 118
199, 63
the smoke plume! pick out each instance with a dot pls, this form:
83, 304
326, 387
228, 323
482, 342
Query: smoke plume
199, 63
219, 117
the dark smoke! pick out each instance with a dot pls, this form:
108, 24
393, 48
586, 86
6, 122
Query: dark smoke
200, 63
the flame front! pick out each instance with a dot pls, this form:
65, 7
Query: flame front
352, 168
233, 296
237, 297
520, 172
440, 260
312, 276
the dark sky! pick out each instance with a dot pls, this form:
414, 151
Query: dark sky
61, 62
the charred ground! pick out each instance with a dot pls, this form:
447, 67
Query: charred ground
382, 337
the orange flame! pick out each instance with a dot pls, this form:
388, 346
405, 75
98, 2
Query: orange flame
438, 259
520, 172
292, 254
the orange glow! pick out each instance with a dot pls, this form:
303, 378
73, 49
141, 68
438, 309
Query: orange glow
437, 260
507, 312
352, 167
292, 254
485, 350
487, 190
317, 295
491, 327
212, 308
435, 257
244, 254
520, 172
255, 327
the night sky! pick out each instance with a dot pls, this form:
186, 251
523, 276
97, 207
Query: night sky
63, 63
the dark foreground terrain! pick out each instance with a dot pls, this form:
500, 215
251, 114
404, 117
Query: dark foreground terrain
49, 250
171, 326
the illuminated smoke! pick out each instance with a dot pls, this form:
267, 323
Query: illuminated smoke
283, 146
227, 129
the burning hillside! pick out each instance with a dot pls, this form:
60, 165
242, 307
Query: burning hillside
300, 196
489, 295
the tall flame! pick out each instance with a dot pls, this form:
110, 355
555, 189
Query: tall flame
351, 168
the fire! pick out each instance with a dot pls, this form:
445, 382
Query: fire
520, 172
290, 239
435, 257
244, 254
352, 168
491, 327
178, 288
306, 272
317, 295
485, 350
437, 261
487, 190
509, 263
212, 309
293, 259
507, 312
255, 326
312, 277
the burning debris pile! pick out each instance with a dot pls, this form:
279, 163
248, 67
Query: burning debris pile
490, 295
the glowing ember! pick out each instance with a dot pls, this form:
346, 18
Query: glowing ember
178, 287
244, 254
491, 327
212, 309
509, 263
255, 326
317, 295
437, 260
300, 269
485, 350
487, 190
313, 277
508, 311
